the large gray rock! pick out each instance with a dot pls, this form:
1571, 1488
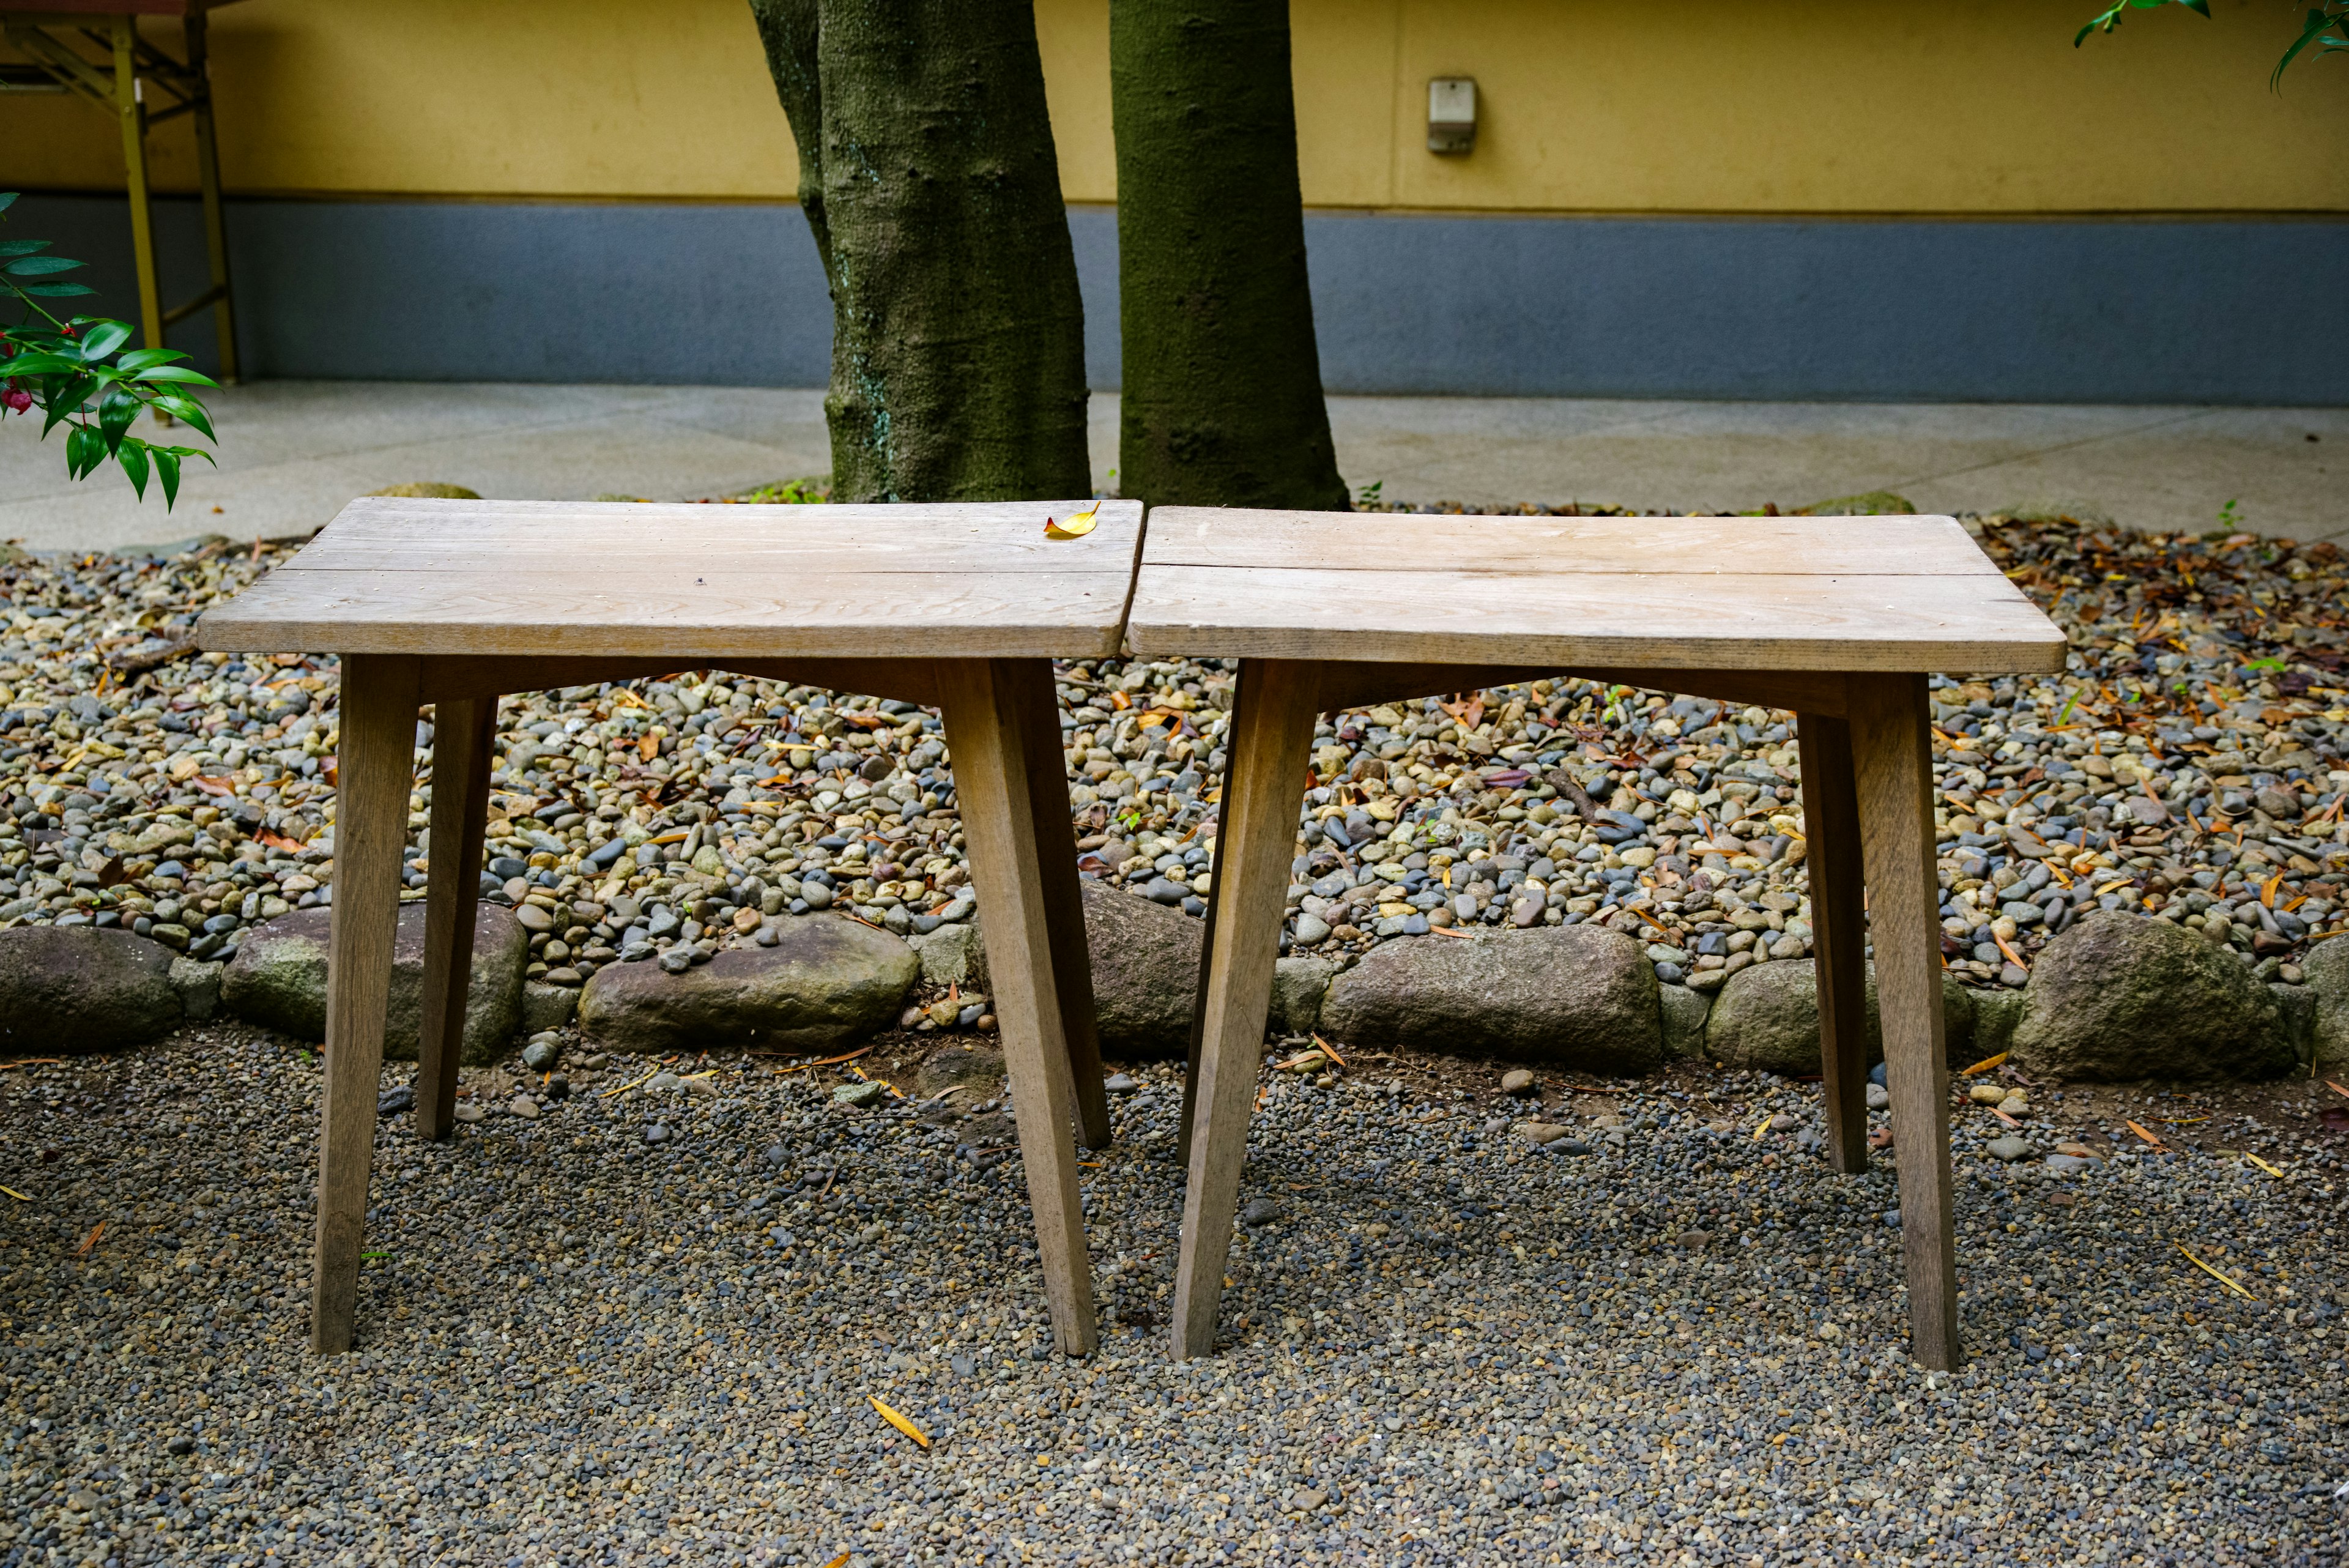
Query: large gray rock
1145, 959
279, 980
2120, 996
1997, 1011
953, 955
1570, 996
1684, 1013
1767, 1017
64, 990
2296, 1015
2327, 969
827, 982
1299, 985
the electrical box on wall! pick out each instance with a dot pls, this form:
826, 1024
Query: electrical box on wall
1452, 114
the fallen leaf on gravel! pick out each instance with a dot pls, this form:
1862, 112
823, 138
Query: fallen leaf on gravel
2216, 1275
1762, 1128
1332, 1051
91, 1240
212, 785
649, 747
2145, 1135
1986, 1064
900, 1422
2336, 1088
14, 1194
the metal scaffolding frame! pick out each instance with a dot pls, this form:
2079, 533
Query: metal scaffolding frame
55, 37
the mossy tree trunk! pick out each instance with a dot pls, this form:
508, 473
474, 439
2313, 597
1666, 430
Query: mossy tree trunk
927, 174
1222, 400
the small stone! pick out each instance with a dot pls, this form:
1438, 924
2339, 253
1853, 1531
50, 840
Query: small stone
858, 1094
525, 1107
1259, 1211
180, 1444
656, 1133
467, 1111
394, 1101
1121, 1084
1517, 1081
1879, 1097
539, 1055
1539, 1133
2009, 1148
1986, 1094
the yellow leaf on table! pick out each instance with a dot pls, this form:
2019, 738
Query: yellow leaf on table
900, 1422
1076, 525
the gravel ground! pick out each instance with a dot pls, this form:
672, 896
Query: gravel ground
2190, 767
1682, 1345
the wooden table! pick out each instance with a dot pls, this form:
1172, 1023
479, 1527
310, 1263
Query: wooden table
1838, 619
453, 603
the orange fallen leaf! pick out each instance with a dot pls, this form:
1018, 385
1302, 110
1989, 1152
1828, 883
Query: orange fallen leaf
277, 840
213, 785
2145, 1135
2012, 956
649, 747
2336, 1088
91, 1240
1332, 1050
1077, 525
1985, 1064
900, 1422
839, 1562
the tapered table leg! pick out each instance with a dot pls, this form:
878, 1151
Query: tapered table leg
376, 765
463, 733
1264, 786
1028, 683
1892, 751
981, 703
1182, 1126
1838, 933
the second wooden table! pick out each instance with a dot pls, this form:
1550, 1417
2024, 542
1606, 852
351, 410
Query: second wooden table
1838, 619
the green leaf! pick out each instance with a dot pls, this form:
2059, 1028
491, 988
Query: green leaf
166, 470
2315, 22
8, 199
43, 365
187, 408
22, 247
85, 450
171, 372
56, 290
132, 455
103, 339
33, 266
138, 359
115, 412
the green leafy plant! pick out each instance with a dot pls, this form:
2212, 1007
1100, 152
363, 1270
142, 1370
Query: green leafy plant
75, 373
2326, 26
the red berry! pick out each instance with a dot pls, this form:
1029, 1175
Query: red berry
18, 403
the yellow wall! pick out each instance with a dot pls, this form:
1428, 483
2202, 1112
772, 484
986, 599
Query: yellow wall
1805, 106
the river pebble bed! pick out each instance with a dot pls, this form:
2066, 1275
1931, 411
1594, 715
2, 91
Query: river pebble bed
2189, 766
1682, 1344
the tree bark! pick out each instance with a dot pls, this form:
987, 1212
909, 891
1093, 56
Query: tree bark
1222, 400
929, 176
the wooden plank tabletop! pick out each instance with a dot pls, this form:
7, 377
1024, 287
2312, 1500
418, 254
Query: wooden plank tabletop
1846, 594
395, 575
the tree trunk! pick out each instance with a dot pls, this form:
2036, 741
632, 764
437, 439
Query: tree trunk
1222, 403
927, 174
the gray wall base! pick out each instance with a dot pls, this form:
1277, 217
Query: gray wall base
2142, 311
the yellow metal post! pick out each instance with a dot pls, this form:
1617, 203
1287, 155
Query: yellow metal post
208, 170
132, 113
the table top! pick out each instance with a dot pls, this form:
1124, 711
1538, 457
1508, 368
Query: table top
1839, 594
395, 575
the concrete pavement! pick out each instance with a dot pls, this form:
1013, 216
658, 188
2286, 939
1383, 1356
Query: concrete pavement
293, 452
